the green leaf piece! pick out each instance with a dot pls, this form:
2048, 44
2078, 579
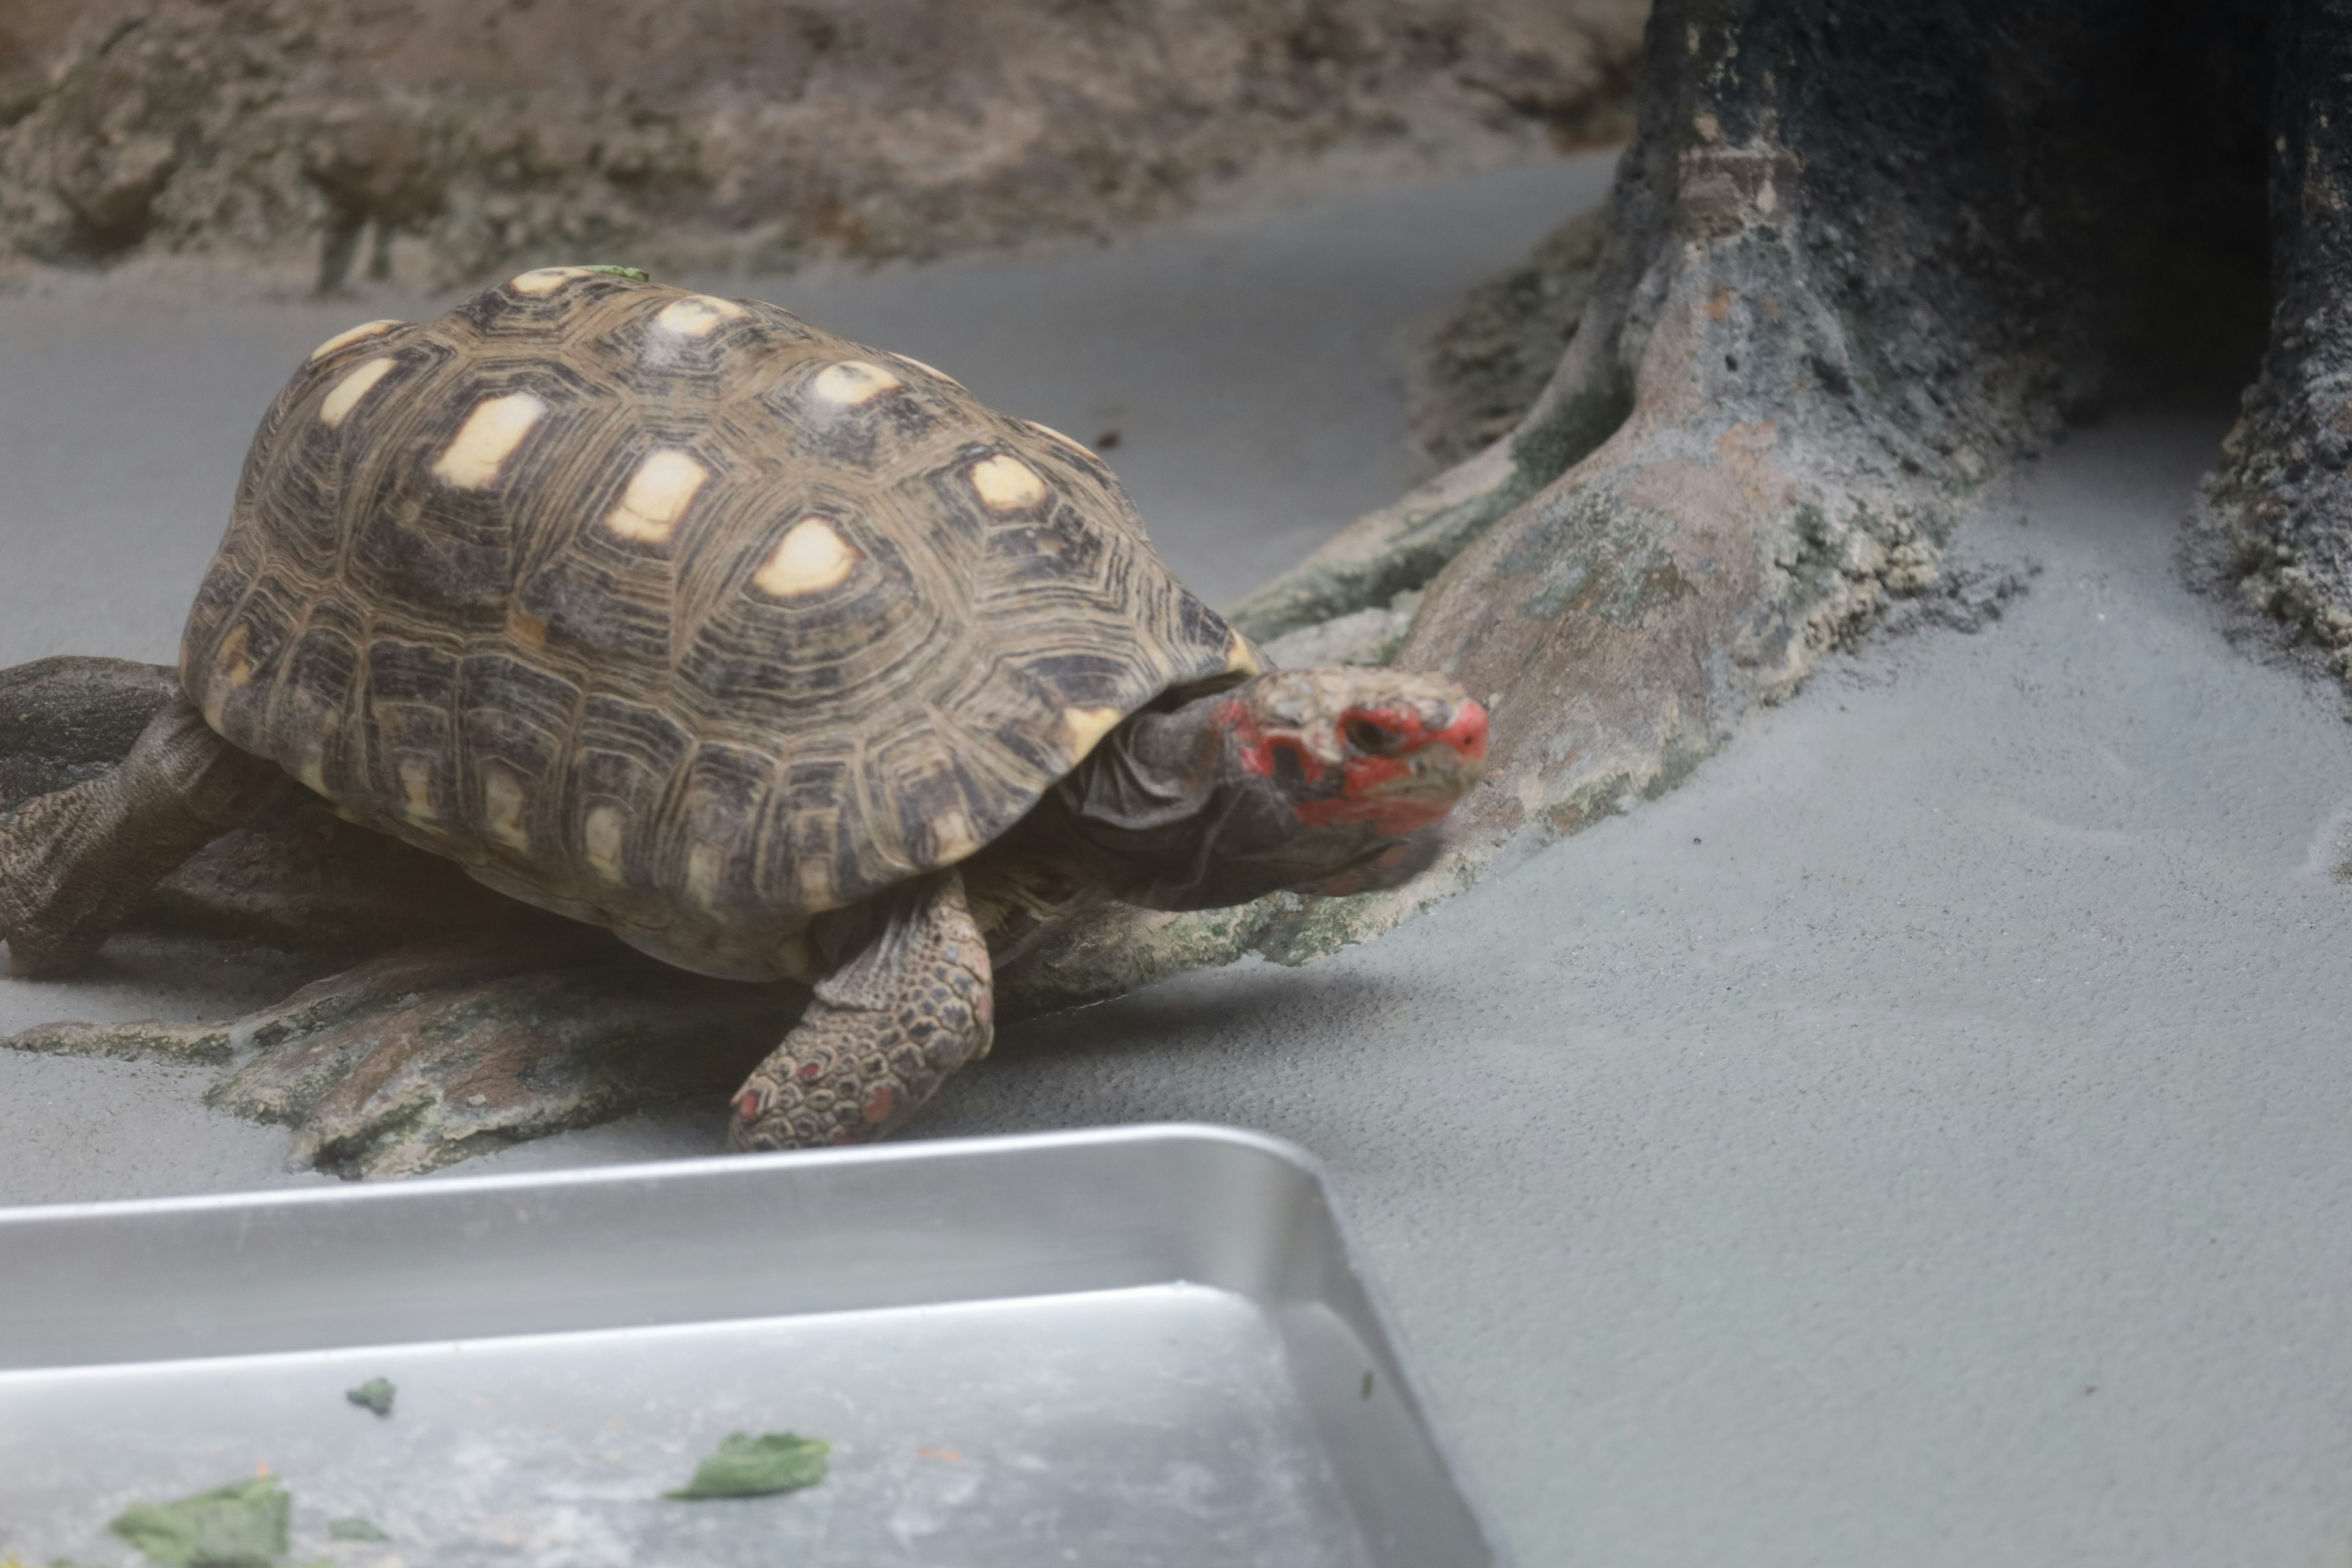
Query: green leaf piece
633, 273
354, 1530
376, 1393
242, 1525
757, 1467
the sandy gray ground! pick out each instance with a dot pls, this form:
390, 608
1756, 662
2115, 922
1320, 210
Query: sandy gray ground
1917, 1139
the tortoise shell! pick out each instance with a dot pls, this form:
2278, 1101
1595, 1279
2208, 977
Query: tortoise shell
673, 613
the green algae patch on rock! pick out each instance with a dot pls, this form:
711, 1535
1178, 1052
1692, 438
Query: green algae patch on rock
376, 1393
241, 1525
757, 1467
355, 1529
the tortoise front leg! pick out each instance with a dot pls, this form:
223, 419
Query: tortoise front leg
908, 1003
73, 863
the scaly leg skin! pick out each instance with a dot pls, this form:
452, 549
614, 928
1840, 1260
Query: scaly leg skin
74, 863
909, 1002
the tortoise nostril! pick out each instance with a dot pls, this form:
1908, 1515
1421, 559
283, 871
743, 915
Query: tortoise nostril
1467, 733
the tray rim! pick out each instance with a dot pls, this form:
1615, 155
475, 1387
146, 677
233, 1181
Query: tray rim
1378, 1325
913, 1151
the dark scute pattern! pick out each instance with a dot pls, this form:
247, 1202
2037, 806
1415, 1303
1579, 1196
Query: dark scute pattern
498, 673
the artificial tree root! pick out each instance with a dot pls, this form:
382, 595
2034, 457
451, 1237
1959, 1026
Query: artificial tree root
431, 1054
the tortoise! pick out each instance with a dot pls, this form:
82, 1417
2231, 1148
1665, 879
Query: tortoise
783, 657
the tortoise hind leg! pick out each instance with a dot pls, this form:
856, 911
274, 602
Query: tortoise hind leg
73, 863
908, 1003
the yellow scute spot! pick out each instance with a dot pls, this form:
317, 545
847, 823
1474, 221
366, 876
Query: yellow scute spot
704, 865
696, 315
1007, 484
809, 558
660, 490
526, 629
1084, 728
348, 391
416, 784
313, 773
231, 660
351, 335
1239, 657
487, 438
852, 381
502, 809
603, 835
547, 280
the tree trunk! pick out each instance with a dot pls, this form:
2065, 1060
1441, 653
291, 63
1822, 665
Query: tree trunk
1862, 256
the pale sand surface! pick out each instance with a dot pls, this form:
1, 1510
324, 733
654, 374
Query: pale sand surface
1918, 1138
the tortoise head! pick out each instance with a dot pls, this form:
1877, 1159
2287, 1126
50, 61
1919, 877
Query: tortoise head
1321, 780
1344, 773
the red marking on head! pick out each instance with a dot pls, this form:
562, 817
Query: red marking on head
1382, 742
1467, 733
1257, 747
878, 1103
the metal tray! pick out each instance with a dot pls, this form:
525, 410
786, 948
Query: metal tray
1134, 1346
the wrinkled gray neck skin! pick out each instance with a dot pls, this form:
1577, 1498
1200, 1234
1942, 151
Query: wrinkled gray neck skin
1147, 805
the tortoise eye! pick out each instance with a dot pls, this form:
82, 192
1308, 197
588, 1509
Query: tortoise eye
1371, 735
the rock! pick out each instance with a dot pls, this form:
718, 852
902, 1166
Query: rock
726, 134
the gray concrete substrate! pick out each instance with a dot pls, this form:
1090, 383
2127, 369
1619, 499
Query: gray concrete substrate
1918, 1138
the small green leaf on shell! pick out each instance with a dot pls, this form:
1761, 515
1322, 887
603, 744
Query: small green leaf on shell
633, 273
376, 1393
745, 1465
241, 1525
355, 1529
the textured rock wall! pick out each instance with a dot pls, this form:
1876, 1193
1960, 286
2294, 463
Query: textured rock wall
2275, 523
440, 139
